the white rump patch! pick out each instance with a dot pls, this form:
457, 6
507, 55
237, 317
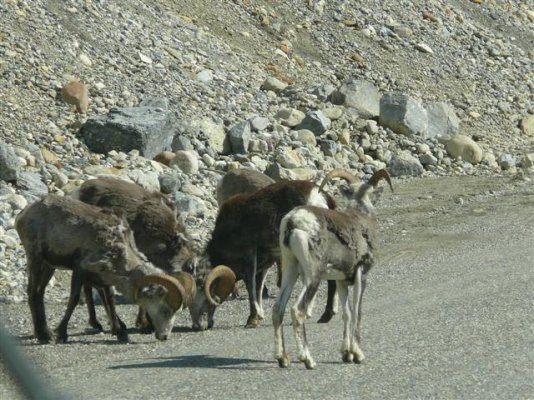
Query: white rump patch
317, 199
305, 220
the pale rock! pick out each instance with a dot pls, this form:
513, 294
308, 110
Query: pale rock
305, 136
461, 146
76, 94
186, 161
290, 117
527, 125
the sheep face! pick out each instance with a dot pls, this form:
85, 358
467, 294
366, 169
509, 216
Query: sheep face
153, 299
213, 287
201, 312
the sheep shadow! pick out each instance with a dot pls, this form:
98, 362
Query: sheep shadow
197, 361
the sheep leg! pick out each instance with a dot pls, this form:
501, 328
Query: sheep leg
118, 327
343, 291
331, 300
288, 280
40, 274
76, 284
356, 311
93, 321
299, 313
260, 285
253, 319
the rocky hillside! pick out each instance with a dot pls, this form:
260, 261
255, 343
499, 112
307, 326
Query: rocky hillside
292, 88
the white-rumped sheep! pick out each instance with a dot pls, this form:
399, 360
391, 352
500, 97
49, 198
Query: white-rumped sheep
152, 218
245, 238
319, 244
98, 246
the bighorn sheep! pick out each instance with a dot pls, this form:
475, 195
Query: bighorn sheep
319, 244
98, 246
245, 238
151, 216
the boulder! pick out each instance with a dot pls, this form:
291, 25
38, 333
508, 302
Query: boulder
147, 129
405, 164
461, 146
403, 114
360, 95
442, 119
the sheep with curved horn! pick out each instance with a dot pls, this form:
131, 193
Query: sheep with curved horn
245, 239
98, 247
319, 244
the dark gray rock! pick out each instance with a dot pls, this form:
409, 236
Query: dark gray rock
181, 142
405, 164
328, 147
31, 186
403, 114
9, 163
361, 95
316, 122
147, 129
169, 183
240, 135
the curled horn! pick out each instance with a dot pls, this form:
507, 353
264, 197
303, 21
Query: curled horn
224, 286
189, 284
378, 175
338, 173
175, 290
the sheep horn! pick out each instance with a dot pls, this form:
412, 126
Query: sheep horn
188, 283
338, 173
378, 175
175, 291
224, 287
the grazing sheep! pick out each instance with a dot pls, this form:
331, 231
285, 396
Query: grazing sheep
151, 215
98, 247
245, 238
319, 244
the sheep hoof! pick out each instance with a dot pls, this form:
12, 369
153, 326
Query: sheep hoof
96, 325
309, 363
347, 357
44, 337
358, 357
283, 362
253, 322
326, 317
61, 339
122, 336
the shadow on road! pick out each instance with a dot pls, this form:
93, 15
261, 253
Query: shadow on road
197, 361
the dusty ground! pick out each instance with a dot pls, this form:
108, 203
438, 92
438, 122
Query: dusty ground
448, 314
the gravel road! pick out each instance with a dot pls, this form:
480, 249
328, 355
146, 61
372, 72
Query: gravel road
448, 315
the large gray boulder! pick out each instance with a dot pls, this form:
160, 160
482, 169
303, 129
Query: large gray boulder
360, 95
403, 114
147, 129
442, 119
9, 163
